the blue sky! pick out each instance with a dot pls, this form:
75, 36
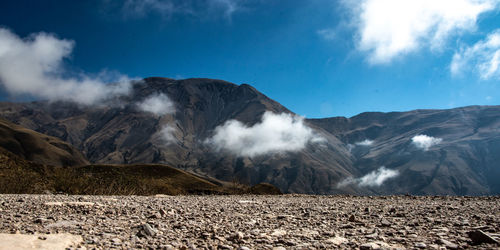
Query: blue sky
319, 58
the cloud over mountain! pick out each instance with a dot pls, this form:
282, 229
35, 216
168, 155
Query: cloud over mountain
391, 28
373, 179
365, 143
167, 134
158, 104
275, 133
424, 142
35, 66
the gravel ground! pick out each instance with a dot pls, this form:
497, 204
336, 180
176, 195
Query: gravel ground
258, 222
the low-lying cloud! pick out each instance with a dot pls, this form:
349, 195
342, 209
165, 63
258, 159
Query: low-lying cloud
167, 134
483, 58
373, 179
275, 133
158, 104
34, 66
365, 143
425, 142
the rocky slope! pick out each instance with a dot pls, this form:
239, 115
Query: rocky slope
257, 222
37, 147
464, 162
122, 134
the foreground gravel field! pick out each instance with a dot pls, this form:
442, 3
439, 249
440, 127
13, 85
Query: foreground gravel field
257, 222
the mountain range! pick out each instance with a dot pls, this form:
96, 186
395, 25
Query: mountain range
233, 132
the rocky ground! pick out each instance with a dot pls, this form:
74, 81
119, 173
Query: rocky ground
257, 222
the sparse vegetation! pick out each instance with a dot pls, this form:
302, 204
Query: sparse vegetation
20, 176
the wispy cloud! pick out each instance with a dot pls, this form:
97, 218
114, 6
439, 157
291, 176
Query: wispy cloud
34, 66
483, 57
391, 28
425, 142
275, 133
140, 8
158, 104
167, 8
373, 179
327, 34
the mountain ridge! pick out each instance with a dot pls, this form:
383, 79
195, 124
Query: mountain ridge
125, 135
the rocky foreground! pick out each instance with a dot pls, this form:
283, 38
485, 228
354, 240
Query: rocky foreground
254, 222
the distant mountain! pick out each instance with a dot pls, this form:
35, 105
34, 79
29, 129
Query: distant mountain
465, 161
372, 153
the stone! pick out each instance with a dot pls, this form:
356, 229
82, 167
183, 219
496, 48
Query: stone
278, 233
337, 240
385, 223
146, 230
352, 218
447, 244
279, 248
53, 203
478, 237
369, 246
420, 245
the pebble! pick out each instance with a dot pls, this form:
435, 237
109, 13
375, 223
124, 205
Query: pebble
257, 222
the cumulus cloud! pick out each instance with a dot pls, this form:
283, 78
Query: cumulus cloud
483, 57
275, 133
390, 28
158, 104
34, 66
424, 142
365, 143
373, 179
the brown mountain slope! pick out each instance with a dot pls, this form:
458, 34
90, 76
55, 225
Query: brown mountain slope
18, 175
465, 161
37, 147
123, 134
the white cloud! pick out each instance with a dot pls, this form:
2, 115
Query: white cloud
373, 179
365, 143
275, 133
424, 142
167, 134
34, 66
158, 104
391, 28
483, 57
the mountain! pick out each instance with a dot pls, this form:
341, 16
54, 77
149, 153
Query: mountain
38, 148
31, 162
464, 162
121, 132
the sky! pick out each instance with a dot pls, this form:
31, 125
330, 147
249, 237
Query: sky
319, 58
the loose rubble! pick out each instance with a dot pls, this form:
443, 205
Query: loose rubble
256, 222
